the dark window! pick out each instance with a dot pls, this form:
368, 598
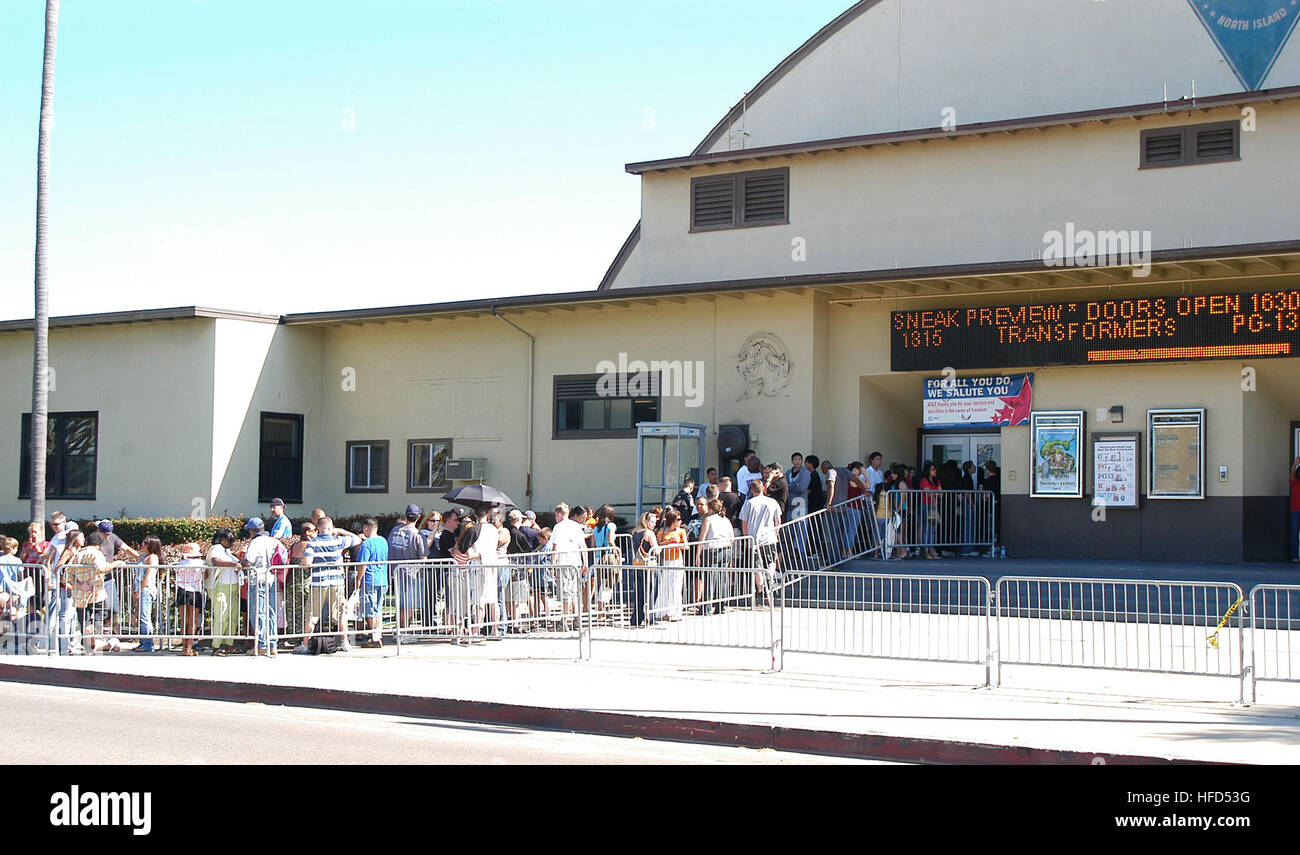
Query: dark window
598, 406
1212, 143
367, 466
279, 473
71, 452
426, 464
741, 199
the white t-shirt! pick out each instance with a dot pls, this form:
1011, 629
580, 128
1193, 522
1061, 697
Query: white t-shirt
486, 543
703, 488
874, 477
760, 514
743, 477
718, 528
228, 575
259, 553
568, 539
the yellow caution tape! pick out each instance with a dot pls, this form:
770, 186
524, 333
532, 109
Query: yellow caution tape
1214, 639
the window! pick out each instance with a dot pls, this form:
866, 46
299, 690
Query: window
426, 465
1193, 144
367, 466
596, 406
741, 199
1176, 454
71, 453
279, 472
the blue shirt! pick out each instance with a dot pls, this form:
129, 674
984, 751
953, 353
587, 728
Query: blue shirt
326, 556
373, 553
281, 528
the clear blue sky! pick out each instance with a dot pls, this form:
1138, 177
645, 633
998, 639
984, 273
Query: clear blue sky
200, 152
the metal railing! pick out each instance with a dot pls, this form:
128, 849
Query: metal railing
828, 537
1158, 627
937, 519
1274, 616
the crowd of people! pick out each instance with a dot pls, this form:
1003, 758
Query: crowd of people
466, 573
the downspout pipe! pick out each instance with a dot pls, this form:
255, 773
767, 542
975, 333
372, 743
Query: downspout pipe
532, 347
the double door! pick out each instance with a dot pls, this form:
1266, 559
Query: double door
977, 447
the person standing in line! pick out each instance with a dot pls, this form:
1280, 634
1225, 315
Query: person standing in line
710, 479
482, 554
406, 544
1295, 511
372, 581
873, 473
88, 568
758, 520
259, 558
716, 541
671, 578
281, 528
638, 577
966, 483
33, 548
146, 589
568, 551
731, 503
750, 471
190, 598
993, 483
324, 554
224, 590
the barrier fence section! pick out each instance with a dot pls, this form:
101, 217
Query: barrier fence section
932, 618
938, 519
1274, 614
828, 537
1158, 627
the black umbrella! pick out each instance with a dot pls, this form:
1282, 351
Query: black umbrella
480, 494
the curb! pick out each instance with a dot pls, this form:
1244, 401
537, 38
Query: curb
666, 728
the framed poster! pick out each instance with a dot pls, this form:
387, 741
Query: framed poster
1115, 469
1056, 454
1176, 454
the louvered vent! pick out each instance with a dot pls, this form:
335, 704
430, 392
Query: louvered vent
1164, 148
714, 203
765, 197
1216, 143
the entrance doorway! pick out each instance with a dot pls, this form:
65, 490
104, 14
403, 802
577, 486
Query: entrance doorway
979, 447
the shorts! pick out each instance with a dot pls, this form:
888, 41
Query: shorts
372, 600
318, 597
92, 614
190, 598
412, 588
767, 556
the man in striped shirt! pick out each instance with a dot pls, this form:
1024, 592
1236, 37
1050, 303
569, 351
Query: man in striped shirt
324, 554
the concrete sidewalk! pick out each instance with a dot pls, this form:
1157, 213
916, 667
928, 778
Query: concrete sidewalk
904, 711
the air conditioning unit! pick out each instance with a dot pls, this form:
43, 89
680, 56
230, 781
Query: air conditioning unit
467, 469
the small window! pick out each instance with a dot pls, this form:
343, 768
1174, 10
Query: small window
71, 455
367, 466
593, 406
279, 472
1212, 143
740, 200
426, 465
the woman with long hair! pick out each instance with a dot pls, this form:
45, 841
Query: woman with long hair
146, 590
189, 595
930, 485
901, 524
716, 540
672, 578
605, 558
639, 577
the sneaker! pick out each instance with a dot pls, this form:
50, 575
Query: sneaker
345, 647
301, 649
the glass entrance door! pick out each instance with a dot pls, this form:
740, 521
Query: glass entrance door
979, 447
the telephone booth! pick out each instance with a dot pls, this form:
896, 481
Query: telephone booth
666, 452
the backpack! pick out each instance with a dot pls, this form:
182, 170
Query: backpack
323, 645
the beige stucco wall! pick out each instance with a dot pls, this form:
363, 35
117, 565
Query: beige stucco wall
151, 384
423, 379
973, 200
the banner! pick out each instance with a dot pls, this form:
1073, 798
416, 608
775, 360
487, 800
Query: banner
978, 401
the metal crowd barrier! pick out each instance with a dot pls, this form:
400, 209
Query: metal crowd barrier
937, 519
1274, 615
1158, 627
829, 536
931, 618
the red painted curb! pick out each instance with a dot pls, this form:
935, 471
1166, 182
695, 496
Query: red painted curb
839, 744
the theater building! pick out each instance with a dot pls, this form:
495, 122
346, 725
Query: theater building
1060, 236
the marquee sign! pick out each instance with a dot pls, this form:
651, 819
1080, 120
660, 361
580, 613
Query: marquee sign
1249, 33
1256, 325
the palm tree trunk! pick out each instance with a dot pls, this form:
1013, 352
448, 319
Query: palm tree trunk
41, 328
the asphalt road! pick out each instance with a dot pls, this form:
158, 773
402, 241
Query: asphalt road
144, 729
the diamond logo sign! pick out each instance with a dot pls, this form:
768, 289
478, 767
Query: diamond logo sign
1250, 33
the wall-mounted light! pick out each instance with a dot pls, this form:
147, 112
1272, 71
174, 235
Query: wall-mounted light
1117, 414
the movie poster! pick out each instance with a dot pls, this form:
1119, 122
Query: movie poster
1056, 440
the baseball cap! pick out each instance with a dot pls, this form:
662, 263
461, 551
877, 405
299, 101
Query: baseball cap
71, 526
532, 515
255, 524
277, 503
516, 515
412, 509
105, 526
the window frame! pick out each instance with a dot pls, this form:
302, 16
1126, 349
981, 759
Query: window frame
289, 497
24, 454
738, 200
603, 433
445, 483
1189, 134
370, 444
1153, 417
